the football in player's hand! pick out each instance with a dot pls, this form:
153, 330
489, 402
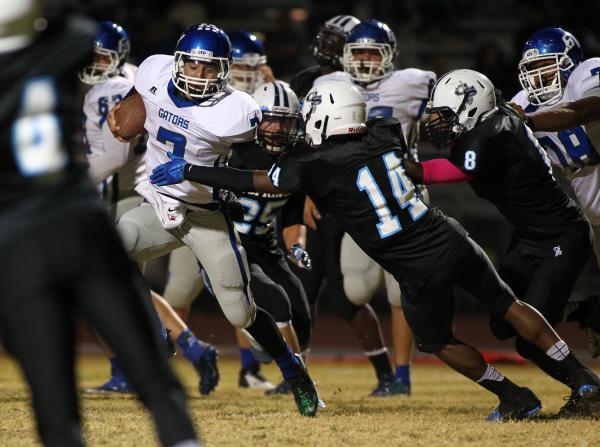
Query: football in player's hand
130, 117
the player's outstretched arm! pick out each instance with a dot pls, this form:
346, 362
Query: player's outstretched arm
565, 116
177, 170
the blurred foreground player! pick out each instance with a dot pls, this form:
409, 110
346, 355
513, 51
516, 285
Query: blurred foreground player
59, 252
356, 172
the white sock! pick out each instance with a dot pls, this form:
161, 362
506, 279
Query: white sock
559, 351
491, 373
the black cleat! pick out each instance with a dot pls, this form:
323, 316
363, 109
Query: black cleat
523, 405
282, 388
584, 401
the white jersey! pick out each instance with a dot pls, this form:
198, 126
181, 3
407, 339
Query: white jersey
402, 95
106, 155
199, 131
575, 150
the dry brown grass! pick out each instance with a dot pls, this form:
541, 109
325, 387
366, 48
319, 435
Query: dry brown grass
445, 410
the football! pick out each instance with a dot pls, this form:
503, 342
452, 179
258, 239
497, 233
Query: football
130, 117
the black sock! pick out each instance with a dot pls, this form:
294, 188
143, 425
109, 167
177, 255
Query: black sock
380, 361
564, 362
265, 332
494, 381
542, 361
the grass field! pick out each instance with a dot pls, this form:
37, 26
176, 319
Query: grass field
445, 410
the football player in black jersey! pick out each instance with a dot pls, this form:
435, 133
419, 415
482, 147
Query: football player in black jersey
324, 235
356, 172
275, 287
59, 252
498, 155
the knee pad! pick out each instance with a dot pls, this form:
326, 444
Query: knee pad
392, 289
240, 312
130, 234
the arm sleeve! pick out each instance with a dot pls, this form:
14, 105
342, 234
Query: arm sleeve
286, 173
440, 170
293, 211
225, 178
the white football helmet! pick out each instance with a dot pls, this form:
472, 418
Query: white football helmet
18, 23
281, 120
333, 108
461, 99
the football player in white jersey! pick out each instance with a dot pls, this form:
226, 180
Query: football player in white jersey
368, 62
191, 113
552, 72
120, 167
249, 68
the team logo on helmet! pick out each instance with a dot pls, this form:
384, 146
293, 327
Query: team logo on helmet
463, 89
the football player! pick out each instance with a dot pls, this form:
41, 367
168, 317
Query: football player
191, 113
324, 235
356, 173
368, 61
498, 155
59, 252
249, 67
554, 74
120, 167
276, 288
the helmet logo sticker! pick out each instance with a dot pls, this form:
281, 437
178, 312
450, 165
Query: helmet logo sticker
468, 91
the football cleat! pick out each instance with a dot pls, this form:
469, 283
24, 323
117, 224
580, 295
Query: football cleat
253, 378
584, 400
114, 385
305, 393
208, 370
523, 405
282, 388
390, 386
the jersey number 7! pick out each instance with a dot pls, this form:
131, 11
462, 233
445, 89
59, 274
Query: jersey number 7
402, 189
179, 141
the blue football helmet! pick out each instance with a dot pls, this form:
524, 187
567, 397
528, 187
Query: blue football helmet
549, 57
374, 37
111, 48
328, 44
209, 46
248, 56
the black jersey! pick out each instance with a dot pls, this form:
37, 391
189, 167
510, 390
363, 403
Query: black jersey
39, 116
511, 170
262, 209
303, 81
39, 110
361, 183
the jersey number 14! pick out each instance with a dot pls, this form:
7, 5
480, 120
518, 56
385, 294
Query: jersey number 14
402, 189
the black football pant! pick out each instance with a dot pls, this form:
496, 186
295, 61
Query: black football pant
279, 291
543, 275
74, 264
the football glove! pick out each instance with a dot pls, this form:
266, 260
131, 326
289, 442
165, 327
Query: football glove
170, 172
298, 256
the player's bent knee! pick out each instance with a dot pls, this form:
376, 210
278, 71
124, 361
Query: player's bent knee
130, 236
431, 347
240, 312
357, 289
